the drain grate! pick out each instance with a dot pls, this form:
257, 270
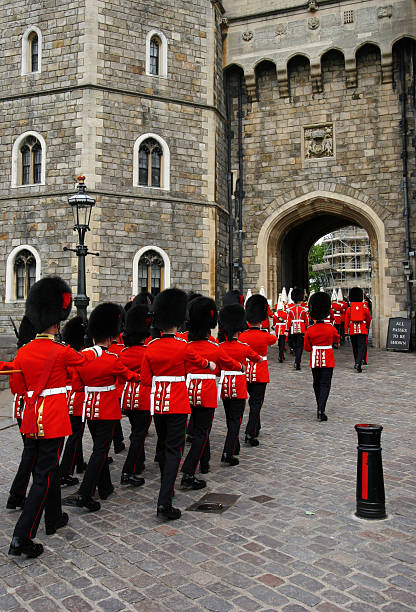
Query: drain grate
214, 503
262, 499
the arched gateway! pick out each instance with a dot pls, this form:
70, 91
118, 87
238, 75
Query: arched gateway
291, 228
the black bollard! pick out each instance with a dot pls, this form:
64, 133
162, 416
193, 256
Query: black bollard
370, 481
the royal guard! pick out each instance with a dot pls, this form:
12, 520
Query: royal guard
232, 321
257, 373
135, 333
357, 324
231, 297
73, 334
344, 306
280, 328
116, 347
337, 312
101, 407
319, 340
297, 323
45, 423
163, 388
202, 389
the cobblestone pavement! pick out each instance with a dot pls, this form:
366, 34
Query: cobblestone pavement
291, 541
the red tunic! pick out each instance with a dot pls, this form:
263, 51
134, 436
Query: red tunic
18, 399
280, 323
49, 415
319, 339
202, 387
297, 320
337, 309
99, 381
132, 357
234, 383
258, 340
165, 363
357, 327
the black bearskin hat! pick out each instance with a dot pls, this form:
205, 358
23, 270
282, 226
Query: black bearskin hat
127, 306
137, 325
74, 333
233, 297
297, 294
26, 332
256, 308
356, 294
232, 319
105, 321
49, 302
319, 306
169, 308
202, 315
144, 297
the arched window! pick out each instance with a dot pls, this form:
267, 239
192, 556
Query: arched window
24, 274
30, 161
31, 51
151, 272
151, 165
155, 45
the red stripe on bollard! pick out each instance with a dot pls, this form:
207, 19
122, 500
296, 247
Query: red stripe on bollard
364, 477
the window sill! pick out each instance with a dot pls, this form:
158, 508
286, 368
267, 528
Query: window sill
28, 185
150, 187
157, 76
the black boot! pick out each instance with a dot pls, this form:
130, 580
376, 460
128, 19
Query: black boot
204, 469
104, 494
190, 482
322, 416
358, 367
51, 529
15, 501
25, 546
81, 467
131, 479
119, 447
252, 441
168, 512
68, 481
229, 459
82, 501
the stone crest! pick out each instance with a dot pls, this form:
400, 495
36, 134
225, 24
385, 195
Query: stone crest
247, 35
281, 29
384, 11
313, 23
319, 141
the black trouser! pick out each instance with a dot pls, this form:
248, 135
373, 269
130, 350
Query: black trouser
342, 332
73, 454
322, 385
281, 343
234, 410
359, 346
297, 340
98, 471
140, 422
256, 392
24, 471
199, 452
45, 492
190, 427
118, 436
171, 432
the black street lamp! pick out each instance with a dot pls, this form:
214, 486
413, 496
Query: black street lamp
81, 204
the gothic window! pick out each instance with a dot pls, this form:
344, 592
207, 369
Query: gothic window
24, 273
155, 45
151, 272
30, 161
150, 163
33, 52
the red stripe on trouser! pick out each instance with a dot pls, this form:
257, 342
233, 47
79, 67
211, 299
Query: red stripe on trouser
47, 489
94, 484
364, 476
179, 463
205, 443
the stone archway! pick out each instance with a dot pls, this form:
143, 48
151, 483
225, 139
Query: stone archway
285, 215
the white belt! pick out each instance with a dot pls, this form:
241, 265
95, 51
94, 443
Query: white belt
199, 377
225, 373
264, 359
69, 387
94, 390
155, 380
315, 349
46, 392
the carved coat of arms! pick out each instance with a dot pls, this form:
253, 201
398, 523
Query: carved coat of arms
319, 142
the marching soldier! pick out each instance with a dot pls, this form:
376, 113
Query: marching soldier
297, 323
337, 310
45, 423
257, 373
165, 363
280, 328
357, 324
319, 340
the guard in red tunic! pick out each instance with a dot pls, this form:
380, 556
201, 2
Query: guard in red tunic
162, 387
357, 324
135, 333
233, 383
281, 329
73, 334
44, 364
202, 389
257, 373
101, 405
297, 323
319, 340
116, 347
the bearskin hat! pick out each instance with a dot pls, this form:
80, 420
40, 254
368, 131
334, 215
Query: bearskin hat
26, 332
256, 308
169, 308
137, 325
202, 316
127, 306
49, 302
319, 305
144, 297
74, 333
233, 297
297, 294
232, 319
356, 294
105, 321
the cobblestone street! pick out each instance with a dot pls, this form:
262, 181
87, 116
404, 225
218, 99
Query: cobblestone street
290, 542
